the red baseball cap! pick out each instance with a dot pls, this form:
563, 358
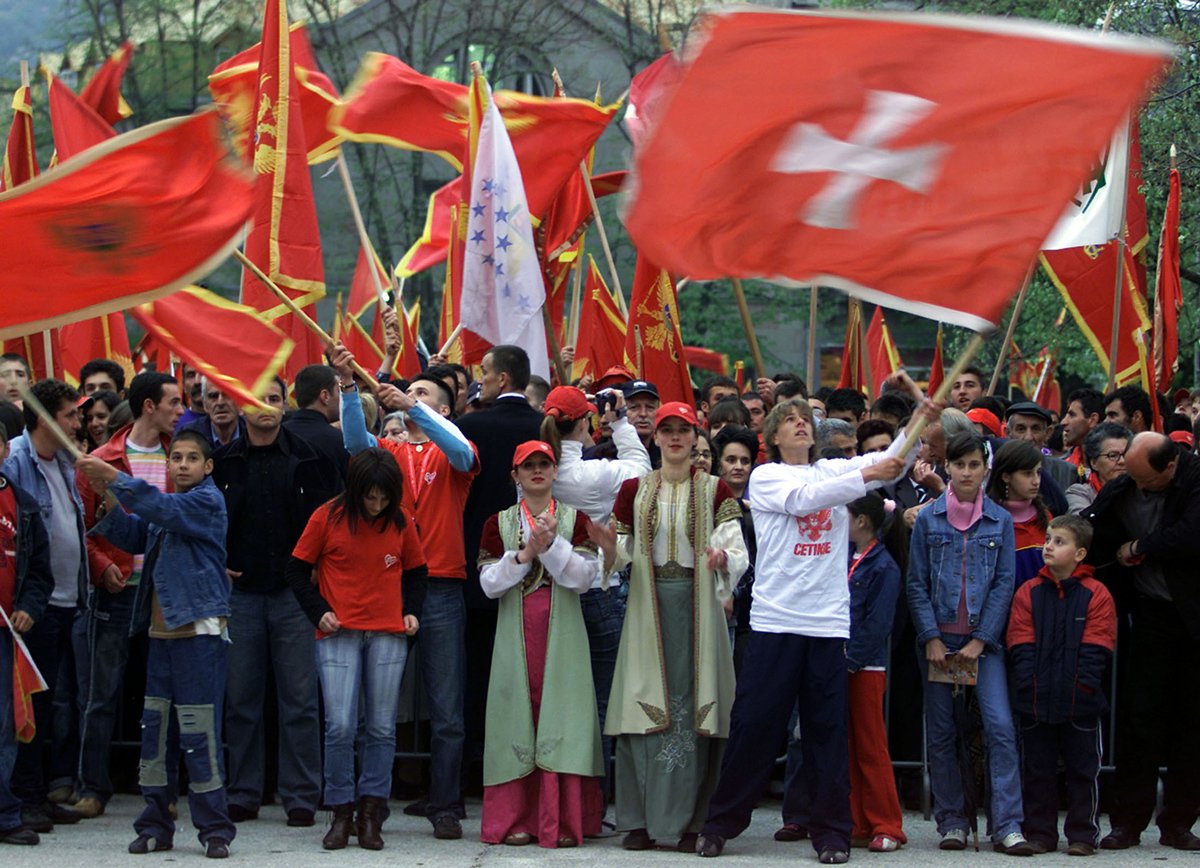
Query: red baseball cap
567, 402
987, 419
675, 410
530, 448
614, 376
1183, 437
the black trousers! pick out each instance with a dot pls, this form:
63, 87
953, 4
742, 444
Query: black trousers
1159, 718
779, 671
1077, 744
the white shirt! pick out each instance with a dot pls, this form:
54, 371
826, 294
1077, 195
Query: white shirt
573, 570
802, 525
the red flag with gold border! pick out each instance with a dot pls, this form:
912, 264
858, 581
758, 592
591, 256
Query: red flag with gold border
884, 355
230, 343
602, 328
1168, 293
75, 125
937, 367
654, 336
284, 239
101, 337
103, 90
854, 374
20, 156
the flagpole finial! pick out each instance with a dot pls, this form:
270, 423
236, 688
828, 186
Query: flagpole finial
559, 87
1173, 153
476, 69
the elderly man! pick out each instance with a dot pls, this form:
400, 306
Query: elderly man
1149, 522
1029, 421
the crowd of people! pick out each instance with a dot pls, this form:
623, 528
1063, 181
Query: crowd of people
614, 602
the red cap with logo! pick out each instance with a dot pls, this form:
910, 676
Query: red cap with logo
675, 410
567, 402
530, 448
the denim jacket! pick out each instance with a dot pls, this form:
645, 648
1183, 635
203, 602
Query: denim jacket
874, 587
183, 538
22, 469
938, 556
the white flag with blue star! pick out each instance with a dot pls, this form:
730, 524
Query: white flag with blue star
502, 289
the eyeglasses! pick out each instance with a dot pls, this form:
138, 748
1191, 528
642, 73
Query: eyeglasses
1113, 456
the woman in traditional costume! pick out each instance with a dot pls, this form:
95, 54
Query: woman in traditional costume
542, 771
674, 683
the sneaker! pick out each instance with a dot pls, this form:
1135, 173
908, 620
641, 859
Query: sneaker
301, 818
833, 857
1081, 848
216, 848
89, 807
1013, 844
447, 828
953, 839
143, 844
791, 832
883, 844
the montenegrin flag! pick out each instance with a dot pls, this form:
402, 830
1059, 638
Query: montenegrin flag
130, 220
231, 344
918, 161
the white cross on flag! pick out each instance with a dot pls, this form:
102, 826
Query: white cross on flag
502, 292
917, 161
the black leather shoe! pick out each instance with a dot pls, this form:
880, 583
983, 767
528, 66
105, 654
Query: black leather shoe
301, 818
710, 846
447, 828
20, 835
61, 815
216, 848
638, 839
687, 843
1184, 840
36, 819
791, 832
238, 814
833, 857
1120, 839
143, 844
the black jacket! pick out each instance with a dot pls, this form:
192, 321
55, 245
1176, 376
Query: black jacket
314, 428
1174, 544
312, 479
34, 579
496, 433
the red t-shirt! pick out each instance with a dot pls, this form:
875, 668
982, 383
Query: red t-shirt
8, 547
436, 494
359, 574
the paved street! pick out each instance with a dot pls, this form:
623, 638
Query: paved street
268, 842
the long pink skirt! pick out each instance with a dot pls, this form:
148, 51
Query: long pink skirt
543, 804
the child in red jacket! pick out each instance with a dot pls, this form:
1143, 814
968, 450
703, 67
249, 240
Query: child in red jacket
1061, 634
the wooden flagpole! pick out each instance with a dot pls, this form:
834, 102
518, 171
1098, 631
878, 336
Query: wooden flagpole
44, 418
458, 329
812, 341
576, 291
1012, 328
301, 315
608, 256
968, 354
760, 370
363, 238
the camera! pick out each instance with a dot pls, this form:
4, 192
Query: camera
606, 399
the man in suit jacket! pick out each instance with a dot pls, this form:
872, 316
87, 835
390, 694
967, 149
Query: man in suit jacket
496, 433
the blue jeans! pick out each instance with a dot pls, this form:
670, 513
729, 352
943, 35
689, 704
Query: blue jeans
604, 615
10, 805
1000, 735
185, 695
354, 665
70, 699
271, 633
442, 656
108, 652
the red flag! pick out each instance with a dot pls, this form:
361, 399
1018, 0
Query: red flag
101, 337
26, 681
1168, 294
133, 219
937, 368
284, 240
408, 363
854, 374
602, 330
103, 90
645, 95
351, 333
392, 103
885, 357
362, 286
75, 124
863, 173
230, 343
707, 360
234, 86
20, 157
653, 335
32, 348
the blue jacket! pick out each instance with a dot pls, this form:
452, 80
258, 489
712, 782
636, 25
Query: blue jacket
874, 587
938, 557
23, 470
34, 581
183, 538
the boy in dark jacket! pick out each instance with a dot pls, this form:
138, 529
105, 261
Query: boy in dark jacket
185, 592
25, 586
1061, 634
874, 587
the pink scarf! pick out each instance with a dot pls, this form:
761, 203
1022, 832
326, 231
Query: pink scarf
1021, 510
962, 516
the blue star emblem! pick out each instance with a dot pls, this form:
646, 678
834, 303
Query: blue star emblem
506, 292
488, 186
501, 215
523, 303
499, 269
503, 243
477, 238
479, 209
488, 260
499, 189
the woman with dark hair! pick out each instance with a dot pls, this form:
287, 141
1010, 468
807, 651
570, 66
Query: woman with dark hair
96, 418
370, 574
1015, 484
